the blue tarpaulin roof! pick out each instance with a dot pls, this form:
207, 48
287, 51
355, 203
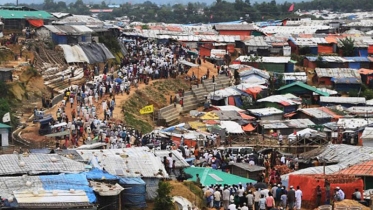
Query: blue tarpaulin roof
346, 80
98, 174
131, 181
357, 59
67, 182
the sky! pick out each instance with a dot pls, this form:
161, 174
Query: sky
132, 1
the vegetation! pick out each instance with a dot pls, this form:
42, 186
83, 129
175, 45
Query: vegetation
200, 12
136, 123
348, 45
5, 102
164, 200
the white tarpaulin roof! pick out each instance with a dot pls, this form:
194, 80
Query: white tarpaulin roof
231, 127
302, 133
229, 91
74, 54
367, 133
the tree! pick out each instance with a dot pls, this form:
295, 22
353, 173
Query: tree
347, 46
163, 201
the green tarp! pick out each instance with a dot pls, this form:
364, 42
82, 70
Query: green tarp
211, 176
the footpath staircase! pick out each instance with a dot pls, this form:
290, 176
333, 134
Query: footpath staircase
192, 99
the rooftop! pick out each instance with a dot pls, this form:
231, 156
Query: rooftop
291, 123
305, 86
283, 100
235, 27
319, 112
337, 72
362, 169
342, 154
32, 164
209, 176
247, 167
23, 14
342, 100
265, 111
127, 162
68, 30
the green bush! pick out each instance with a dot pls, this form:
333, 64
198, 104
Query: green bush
163, 201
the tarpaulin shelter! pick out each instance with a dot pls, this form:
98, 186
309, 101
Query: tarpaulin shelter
309, 182
209, 176
209, 116
133, 195
248, 128
197, 125
231, 127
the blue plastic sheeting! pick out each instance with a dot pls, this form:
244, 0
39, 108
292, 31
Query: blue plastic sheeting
134, 193
354, 65
314, 50
238, 101
357, 59
363, 52
98, 174
346, 80
67, 182
172, 128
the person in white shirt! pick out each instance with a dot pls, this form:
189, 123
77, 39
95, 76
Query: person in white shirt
265, 192
226, 195
298, 198
232, 207
217, 198
244, 207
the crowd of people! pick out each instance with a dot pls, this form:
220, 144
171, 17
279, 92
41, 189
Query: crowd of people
88, 109
244, 197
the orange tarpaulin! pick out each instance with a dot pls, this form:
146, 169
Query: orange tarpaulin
248, 127
254, 91
246, 117
211, 122
36, 22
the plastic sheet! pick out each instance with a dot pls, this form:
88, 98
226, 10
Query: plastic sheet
134, 193
98, 174
67, 182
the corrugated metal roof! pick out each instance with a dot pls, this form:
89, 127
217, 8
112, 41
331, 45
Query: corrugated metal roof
80, 20
318, 112
288, 30
342, 100
326, 90
345, 155
256, 41
353, 123
311, 42
367, 133
360, 110
291, 123
280, 99
127, 162
23, 14
357, 59
305, 86
362, 169
244, 72
338, 73
177, 156
68, 30
38, 164
265, 111
295, 76
244, 58
235, 27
